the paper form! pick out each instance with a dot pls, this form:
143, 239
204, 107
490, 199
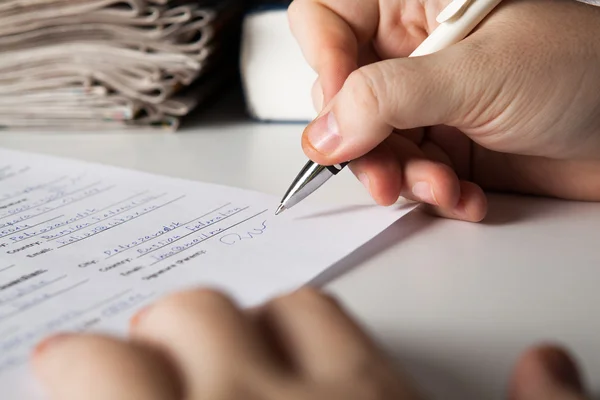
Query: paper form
83, 247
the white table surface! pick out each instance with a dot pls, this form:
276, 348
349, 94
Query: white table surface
455, 303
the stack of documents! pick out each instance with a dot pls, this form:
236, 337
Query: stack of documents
110, 63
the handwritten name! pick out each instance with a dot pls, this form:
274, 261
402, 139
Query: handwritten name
34, 204
53, 226
13, 229
211, 221
159, 244
16, 220
140, 240
49, 199
178, 249
98, 218
111, 224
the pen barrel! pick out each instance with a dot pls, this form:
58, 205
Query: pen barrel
456, 29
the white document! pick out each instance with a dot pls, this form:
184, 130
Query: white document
83, 247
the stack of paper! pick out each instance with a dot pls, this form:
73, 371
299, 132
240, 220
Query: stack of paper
110, 63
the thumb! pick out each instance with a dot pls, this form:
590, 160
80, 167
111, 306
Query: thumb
400, 93
546, 373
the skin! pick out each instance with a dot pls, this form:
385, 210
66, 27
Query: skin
515, 107
198, 345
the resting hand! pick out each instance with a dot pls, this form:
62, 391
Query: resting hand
198, 345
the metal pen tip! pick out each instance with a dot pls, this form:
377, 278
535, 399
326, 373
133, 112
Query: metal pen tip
280, 209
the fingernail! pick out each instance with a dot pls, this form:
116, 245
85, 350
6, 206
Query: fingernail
424, 192
563, 369
324, 134
49, 341
364, 179
137, 317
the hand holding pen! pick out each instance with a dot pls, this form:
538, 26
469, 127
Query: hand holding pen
503, 109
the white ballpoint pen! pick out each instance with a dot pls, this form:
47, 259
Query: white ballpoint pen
456, 21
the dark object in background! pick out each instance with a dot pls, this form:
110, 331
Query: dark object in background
270, 2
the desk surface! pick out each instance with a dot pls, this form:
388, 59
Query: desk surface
454, 302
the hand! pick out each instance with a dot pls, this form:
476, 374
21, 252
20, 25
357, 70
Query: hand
199, 346
514, 107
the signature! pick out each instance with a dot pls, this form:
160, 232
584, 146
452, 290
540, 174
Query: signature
233, 238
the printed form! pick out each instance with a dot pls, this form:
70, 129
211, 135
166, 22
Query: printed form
84, 246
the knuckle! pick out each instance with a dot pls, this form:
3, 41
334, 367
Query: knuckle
309, 297
206, 299
308, 293
365, 89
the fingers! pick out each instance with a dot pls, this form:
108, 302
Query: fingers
361, 107
99, 368
325, 347
381, 174
399, 166
319, 339
330, 34
472, 205
199, 345
204, 333
399, 93
546, 373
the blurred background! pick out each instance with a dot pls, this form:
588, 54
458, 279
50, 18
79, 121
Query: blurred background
141, 64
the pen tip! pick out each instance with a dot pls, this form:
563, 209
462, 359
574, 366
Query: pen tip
280, 209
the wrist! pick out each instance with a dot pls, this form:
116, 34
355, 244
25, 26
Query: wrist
577, 180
